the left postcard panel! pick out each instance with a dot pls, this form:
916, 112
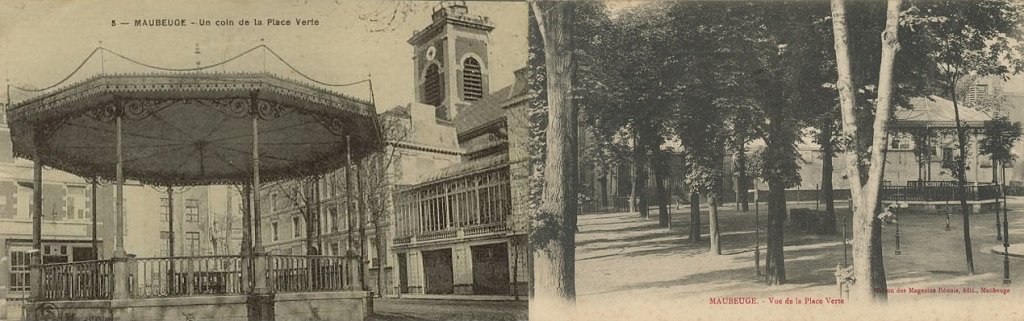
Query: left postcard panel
226, 160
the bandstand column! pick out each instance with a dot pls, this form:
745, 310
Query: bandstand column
95, 243
170, 223
246, 238
259, 261
260, 301
170, 240
35, 266
120, 258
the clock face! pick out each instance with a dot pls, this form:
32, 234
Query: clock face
431, 52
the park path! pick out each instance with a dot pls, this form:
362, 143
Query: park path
625, 260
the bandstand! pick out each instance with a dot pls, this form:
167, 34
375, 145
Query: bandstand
194, 128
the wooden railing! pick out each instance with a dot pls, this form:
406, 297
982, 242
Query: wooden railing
86, 280
184, 276
301, 273
938, 191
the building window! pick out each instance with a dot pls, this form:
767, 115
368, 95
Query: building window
296, 227
77, 202
192, 243
901, 141
165, 209
192, 210
472, 80
19, 271
273, 202
273, 232
374, 262
334, 218
433, 86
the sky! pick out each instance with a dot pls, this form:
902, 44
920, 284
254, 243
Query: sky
42, 42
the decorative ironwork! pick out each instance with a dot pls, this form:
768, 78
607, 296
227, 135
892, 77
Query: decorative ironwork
268, 110
335, 125
231, 107
105, 113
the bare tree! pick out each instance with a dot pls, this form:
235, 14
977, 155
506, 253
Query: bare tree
303, 195
381, 172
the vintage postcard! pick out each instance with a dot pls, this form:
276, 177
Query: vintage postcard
258, 160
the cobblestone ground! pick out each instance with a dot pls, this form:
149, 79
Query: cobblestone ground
630, 268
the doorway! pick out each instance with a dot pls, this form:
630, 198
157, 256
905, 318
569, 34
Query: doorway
490, 269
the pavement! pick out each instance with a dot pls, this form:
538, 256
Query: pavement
1015, 250
454, 310
629, 268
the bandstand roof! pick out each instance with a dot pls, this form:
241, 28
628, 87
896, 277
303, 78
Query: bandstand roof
193, 128
936, 112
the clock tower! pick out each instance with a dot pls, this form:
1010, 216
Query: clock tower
450, 59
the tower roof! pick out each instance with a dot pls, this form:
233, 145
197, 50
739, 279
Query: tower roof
455, 13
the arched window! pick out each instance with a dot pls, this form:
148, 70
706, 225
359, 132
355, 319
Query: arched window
433, 88
472, 80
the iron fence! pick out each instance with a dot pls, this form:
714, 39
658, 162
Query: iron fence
85, 280
938, 191
184, 276
301, 273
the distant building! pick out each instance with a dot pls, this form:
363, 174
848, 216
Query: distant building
452, 226
460, 231
202, 226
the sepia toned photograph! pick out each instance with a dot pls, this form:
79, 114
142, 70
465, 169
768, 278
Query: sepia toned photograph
776, 160
257, 160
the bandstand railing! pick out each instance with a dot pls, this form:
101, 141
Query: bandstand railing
302, 273
202, 275
86, 280
184, 276
938, 191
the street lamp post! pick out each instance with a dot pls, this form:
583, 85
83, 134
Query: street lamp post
757, 233
896, 214
1006, 232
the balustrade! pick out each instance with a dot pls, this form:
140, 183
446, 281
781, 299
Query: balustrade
938, 191
86, 280
191, 276
183, 276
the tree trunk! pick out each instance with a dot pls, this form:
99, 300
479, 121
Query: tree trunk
961, 181
741, 180
632, 188
867, 256
381, 250
827, 150
604, 190
775, 263
695, 217
310, 220
552, 235
715, 235
642, 190
659, 185
994, 173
